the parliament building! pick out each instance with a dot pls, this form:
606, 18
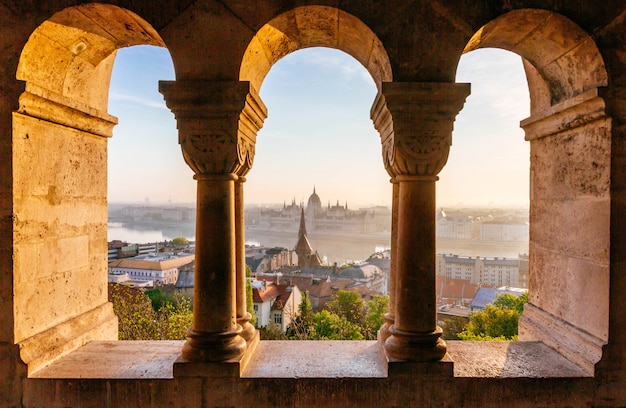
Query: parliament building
327, 218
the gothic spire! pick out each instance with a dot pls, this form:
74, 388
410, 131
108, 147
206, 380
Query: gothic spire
302, 231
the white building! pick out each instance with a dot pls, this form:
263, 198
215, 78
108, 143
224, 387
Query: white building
370, 275
461, 227
276, 303
162, 270
503, 231
485, 271
458, 267
500, 272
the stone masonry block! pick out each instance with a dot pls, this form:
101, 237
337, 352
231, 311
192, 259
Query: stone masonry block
572, 163
578, 228
57, 161
583, 288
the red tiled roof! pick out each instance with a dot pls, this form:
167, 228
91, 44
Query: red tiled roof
326, 289
303, 283
260, 296
283, 297
456, 288
279, 293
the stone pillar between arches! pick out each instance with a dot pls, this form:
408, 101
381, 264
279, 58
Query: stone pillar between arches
59, 145
217, 121
415, 122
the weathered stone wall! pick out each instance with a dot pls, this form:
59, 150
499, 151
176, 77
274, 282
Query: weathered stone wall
570, 226
59, 231
569, 246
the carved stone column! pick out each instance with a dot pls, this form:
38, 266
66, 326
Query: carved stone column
415, 121
209, 115
250, 122
243, 316
389, 317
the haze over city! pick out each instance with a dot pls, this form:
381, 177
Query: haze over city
319, 133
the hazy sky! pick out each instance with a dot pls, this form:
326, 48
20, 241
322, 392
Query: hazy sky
319, 133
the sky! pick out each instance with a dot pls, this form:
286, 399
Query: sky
319, 134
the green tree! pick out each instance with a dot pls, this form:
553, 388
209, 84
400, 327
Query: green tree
180, 241
374, 317
497, 321
301, 327
249, 298
159, 298
349, 305
510, 301
330, 326
272, 332
452, 326
176, 318
138, 320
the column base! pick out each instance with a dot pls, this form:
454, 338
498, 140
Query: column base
440, 368
407, 346
247, 330
383, 332
213, 346
232, 368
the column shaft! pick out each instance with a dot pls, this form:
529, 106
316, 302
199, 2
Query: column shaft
415, 335
416, 256
243, 316
390, 316
214, 335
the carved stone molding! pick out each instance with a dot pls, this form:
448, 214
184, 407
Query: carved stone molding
217, 123
46, 105
578, 111
415, 122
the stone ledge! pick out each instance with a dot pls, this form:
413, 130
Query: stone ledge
505, 359
117, 360
316, 359
312, 359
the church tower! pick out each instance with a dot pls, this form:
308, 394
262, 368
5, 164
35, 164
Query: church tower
306, 255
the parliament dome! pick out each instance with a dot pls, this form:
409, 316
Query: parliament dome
314, 202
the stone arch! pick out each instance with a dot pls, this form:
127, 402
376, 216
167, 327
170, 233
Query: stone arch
60, 134
314, 26
72, 53
570, 143
561, 59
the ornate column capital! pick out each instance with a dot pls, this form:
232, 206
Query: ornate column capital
217, 123
415, 122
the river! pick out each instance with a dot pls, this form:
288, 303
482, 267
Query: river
333, 247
